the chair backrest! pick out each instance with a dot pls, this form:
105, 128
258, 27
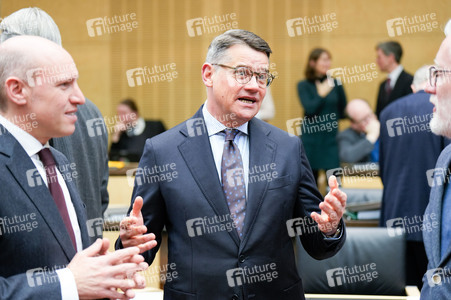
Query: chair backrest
371, 262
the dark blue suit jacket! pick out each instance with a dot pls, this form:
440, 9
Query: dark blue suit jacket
437, 280
34, 240
204, 259
408, 149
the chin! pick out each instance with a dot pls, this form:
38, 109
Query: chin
440, 127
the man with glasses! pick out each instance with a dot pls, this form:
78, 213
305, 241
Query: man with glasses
243, 189
408, 153
358, 143
437, 217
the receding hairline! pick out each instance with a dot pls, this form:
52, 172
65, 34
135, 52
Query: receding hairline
41, 49
357, 101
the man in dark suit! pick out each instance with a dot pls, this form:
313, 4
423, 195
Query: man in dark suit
406, 137
437, 237
92, 169
232, 190
398, 82
359, 142
43, 221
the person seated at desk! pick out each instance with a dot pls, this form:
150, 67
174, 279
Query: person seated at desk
131, 132
359, 143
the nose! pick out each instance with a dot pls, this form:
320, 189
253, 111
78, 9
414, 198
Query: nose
77, 96
252, 84
430, 89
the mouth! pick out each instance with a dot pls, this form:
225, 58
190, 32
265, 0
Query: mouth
72, 114
247, 99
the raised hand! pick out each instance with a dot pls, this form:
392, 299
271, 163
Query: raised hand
332, 209
133, 230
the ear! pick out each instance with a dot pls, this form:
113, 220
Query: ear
17, 91
207, 74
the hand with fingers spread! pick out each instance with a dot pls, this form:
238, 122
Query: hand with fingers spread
132, 229
332, 209
99, 273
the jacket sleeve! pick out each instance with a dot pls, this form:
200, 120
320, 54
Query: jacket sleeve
153, 210
341, 100
309, 198
30, 285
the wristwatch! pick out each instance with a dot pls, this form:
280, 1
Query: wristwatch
333, 236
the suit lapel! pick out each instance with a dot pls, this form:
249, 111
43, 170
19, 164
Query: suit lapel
196, 151
262, 151
21, 166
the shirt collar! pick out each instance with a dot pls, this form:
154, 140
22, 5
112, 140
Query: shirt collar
214, 126
395, 74
30, 144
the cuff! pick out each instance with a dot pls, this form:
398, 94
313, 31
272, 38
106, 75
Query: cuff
337, 235
68, 285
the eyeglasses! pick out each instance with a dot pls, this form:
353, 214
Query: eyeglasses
244, 74
437, 76
363, 120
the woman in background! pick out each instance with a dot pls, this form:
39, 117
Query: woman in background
324, 101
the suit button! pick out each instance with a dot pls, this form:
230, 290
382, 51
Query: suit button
436, 279
242, 259
235, 297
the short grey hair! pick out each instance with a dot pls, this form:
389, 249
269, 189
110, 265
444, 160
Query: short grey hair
218, 47
30, 21
421, 77
391, 47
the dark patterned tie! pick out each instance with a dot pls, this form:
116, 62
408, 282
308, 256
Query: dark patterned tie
388, 88
233, 179
55, 189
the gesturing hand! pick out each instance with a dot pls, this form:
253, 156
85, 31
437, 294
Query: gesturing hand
133, 230
99, 273
332, 209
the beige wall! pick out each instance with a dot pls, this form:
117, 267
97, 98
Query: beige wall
162, 38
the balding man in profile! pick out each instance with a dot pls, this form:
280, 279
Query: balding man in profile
43, 220
357, 143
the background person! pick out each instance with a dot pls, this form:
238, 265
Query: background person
398, 82
359, 142
267, 110
132, 131
323, 105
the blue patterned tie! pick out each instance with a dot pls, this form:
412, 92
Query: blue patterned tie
233, 179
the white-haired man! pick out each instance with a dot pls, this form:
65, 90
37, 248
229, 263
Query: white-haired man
437, 240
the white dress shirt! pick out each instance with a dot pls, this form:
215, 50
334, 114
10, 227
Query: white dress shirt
217, 140
394, 75
32, 146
